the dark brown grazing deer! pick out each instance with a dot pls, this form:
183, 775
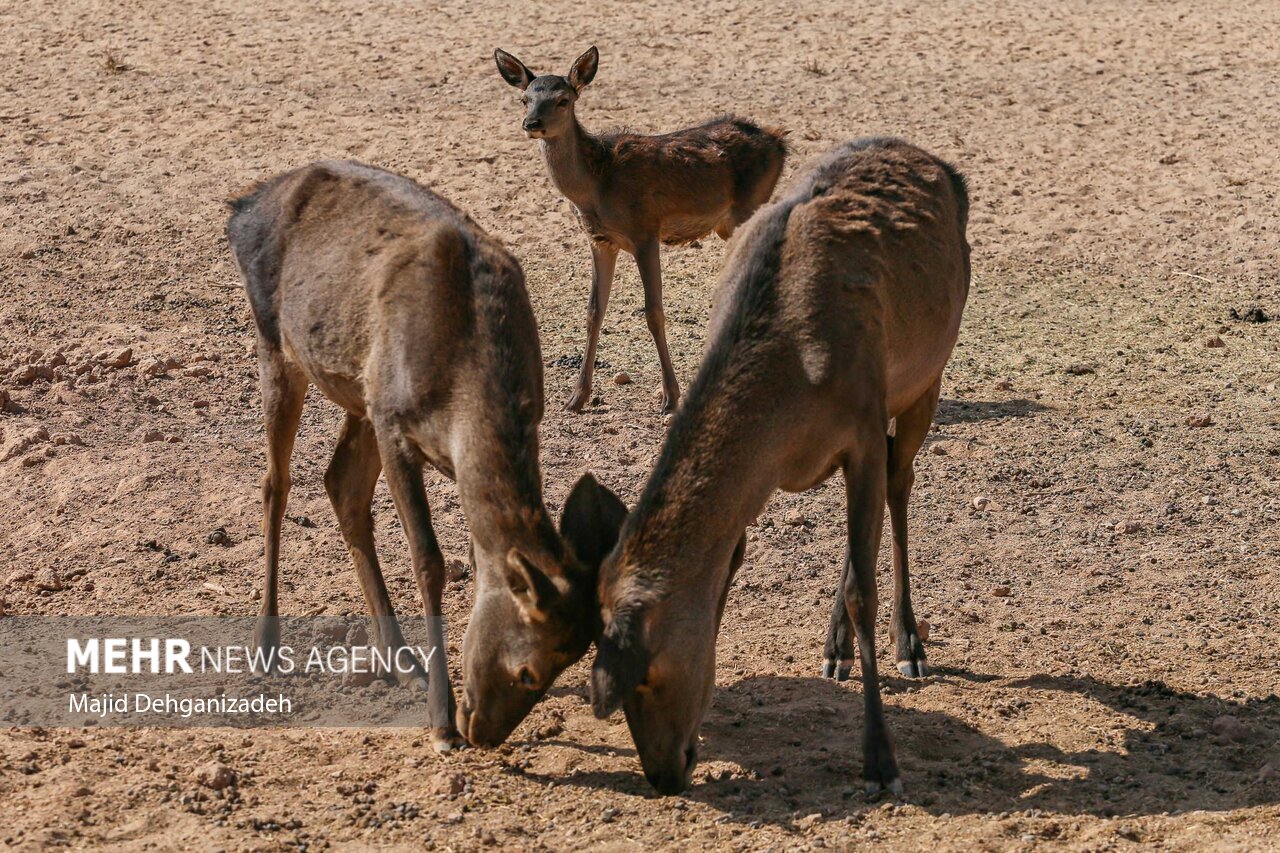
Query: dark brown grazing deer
404, 313
633, 192
836, 314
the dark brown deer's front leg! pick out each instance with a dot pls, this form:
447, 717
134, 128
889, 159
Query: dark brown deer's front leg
603, 259
864, 476
649, 261
403, 465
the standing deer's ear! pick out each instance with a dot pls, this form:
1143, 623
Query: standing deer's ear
584, 69
512, 69
531, 587
591, 521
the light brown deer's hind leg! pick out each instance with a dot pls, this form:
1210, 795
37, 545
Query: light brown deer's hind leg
912, 427
603, 260
403, 463
350, 481
649, 261
284, 388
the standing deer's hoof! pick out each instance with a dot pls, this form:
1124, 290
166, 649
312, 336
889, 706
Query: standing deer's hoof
578, 401
266, 644
446, 740
911, 656
876, 789
837, 669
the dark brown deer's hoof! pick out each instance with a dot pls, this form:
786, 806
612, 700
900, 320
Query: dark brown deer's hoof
910, 655
876, 789
578, 401
447, 740
837, 669
266, 644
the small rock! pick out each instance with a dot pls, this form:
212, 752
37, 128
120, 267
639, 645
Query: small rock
1209, 500
68, 438
922, 630
621, 378
152, 435
1252, 314
938, 449
455, 570
6, 402
49, 580
795, 518
1199, 420
200, 404
1228, 728
1005, 384
154, 367
1215, 342
219, 537
197, 372
215, 775
550, 730
1080, 369
22, 442
980, 502
1001, 592
117, 358
1128, 527
447, 784
81, 791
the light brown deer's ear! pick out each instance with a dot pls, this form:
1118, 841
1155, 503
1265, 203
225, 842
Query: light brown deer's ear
512, 69
584, 69
530, 586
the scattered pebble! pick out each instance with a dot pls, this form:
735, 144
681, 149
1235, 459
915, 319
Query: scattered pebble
1215, 342
49, 580
116, 358
447, 784
1128, 527
938, 449
215, 775
219, 537
200, 404
922, 630
1199, 420
1080, 369
795, 518
1001, 592
455, 570
622, 378
980, 502
151, 435
1005, 384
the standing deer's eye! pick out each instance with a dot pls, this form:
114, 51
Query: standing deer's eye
524, 99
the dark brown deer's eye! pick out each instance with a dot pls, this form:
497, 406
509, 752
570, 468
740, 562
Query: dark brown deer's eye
563, 102
526, 678
524, 99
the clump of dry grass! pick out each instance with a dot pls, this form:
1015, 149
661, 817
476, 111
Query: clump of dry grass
815, 69
112, 65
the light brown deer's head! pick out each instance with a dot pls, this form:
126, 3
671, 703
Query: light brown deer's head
549, 99
523, 633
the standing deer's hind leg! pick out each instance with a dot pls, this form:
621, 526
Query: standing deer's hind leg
913, 426
403, 463
284, 388
350, 480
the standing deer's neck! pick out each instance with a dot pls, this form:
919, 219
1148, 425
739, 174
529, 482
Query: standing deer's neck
570, 159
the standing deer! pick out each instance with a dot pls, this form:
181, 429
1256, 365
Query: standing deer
634, 192
836, 314
404, 313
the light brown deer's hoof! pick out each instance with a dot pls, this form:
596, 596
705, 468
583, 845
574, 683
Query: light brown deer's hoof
266, 644
578, 401
447, 740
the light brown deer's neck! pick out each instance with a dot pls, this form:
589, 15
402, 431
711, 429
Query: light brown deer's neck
571, 161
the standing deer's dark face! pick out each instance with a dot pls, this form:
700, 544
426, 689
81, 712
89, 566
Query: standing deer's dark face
533, 617
548, 99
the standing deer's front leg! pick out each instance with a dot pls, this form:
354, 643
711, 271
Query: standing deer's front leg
865, 486
603, 259
403, 466
649, 261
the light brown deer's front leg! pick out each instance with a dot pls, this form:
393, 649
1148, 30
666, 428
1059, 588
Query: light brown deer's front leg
603, 259
649, 261
403, 466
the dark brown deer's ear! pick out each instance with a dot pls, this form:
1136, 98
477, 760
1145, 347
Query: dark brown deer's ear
621, 665
512, 69
584, 69
531, 587
591, 520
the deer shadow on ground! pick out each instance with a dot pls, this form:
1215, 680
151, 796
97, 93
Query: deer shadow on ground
972, 411
777, 749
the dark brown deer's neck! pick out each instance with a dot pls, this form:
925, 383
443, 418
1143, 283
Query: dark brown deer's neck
571, 161
500, 486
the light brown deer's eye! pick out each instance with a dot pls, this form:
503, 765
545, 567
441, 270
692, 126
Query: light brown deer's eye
524, 99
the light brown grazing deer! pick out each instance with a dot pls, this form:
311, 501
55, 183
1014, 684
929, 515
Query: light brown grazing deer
835, 316
404, 313
634, 192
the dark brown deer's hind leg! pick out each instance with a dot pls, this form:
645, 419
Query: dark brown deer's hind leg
864, 476
604, 257
912, 427
350, 480
284, 388
403, 463
649, 260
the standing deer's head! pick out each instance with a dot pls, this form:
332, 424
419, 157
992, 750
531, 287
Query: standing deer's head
524, 631
548, 98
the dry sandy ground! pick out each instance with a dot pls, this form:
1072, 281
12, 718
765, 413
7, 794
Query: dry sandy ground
1125, 175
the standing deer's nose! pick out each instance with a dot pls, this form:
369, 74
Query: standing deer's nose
532, 123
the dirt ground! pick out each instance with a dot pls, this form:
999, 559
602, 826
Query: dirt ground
1107, 449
